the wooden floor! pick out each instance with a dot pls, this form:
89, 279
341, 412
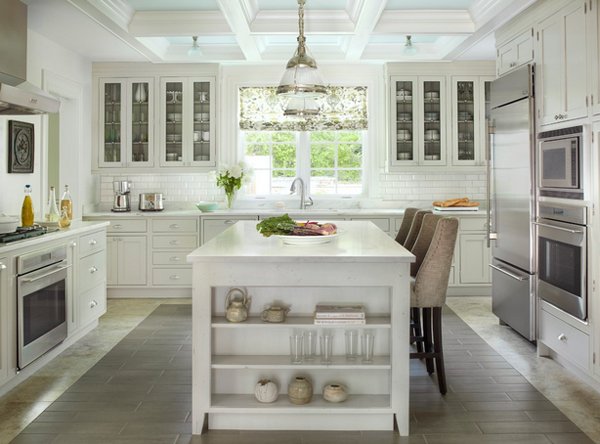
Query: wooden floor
140, 392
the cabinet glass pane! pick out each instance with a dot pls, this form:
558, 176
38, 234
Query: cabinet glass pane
404, 121
202, 133
112, 122
174, 121
432, 128
465, 122
139, 122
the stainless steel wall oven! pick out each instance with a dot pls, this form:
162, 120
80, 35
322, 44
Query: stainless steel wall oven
562, 257
41, 302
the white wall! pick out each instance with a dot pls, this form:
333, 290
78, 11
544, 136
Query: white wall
45, 57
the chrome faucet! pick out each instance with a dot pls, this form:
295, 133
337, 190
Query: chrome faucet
305, 201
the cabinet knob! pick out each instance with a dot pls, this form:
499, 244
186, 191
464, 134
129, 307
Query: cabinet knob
93, 270
73, 244
2, 266
93, 242
174, 242
174, 277
93, 304
174, 226
174, 258
229, 222
562, 337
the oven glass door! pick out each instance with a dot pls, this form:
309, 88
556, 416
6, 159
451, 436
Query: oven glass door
43, 311
560, 163
562, 267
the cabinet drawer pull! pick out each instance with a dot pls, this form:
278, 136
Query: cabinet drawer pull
562, 337
174, 258
174, 242
229, 222
93, 304
73, 244
117, 226
93, 270
93, 242
174, 277
174, 226
2, 266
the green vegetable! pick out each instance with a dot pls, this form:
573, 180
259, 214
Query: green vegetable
276, 225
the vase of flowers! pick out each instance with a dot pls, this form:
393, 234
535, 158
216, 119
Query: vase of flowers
231, 179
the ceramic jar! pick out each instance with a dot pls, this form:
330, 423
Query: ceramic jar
274, 313
335, 393
266, 391
300, 390
237, 305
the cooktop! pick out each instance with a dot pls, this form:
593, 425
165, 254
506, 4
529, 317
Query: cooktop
23, 233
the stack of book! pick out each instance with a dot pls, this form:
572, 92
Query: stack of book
328, 314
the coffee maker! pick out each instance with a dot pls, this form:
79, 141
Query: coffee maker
122, 201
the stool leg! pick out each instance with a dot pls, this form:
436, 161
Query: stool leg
417, 328
438, 349
427, 331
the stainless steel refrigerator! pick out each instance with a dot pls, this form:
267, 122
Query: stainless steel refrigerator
512, 200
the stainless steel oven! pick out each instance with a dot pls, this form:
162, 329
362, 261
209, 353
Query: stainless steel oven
41, 302
562, 257
560, 163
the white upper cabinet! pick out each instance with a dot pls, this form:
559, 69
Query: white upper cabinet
516, 52
466, 121
562, 65
594, 58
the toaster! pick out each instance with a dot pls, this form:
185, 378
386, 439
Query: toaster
151, 202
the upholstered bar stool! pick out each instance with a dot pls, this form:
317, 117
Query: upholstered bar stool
415, 227
428, 292
409, 214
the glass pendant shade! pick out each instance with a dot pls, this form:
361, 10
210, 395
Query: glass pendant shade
409, 49
195, 49
301, 107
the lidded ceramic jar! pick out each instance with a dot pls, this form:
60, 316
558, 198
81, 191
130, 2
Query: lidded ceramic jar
266, 391
274, 313
300, 390
335, 393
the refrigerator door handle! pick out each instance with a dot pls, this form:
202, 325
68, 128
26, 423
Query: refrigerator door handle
509, 274
554, 227
489, 144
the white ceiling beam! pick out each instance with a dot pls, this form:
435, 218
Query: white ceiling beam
315, 22
437, 22
235, 14
178, 23
366, 20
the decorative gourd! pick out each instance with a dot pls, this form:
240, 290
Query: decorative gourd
266, 391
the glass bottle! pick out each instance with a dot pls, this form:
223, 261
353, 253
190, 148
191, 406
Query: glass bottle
27, 208
52, 214
64, 221
67, 202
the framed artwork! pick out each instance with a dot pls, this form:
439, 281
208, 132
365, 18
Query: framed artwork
20, 147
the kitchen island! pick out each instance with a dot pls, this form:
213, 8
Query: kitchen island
361, 265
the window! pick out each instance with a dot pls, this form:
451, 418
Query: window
327, 151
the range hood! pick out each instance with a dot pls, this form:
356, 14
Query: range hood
17, 97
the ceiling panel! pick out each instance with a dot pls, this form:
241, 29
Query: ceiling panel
428, 4
276, 5
174, 5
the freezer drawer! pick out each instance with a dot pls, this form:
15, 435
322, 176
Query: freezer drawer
513, 299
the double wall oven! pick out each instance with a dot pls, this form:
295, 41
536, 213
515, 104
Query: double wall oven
42, 286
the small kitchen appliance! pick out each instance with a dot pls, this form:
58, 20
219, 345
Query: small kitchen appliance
151, 202
122, 201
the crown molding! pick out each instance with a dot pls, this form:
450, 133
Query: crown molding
119, 11
366, 20
250, 8
236, 16
178, 23
425, 22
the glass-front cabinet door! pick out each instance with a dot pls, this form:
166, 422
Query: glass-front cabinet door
187, 122
432, 118
403, 98
466, 122
126, 122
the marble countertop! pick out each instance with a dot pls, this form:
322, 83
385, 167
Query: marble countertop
77, 227
358, 241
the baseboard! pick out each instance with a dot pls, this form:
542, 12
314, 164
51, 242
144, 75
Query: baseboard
151, 293
484, 290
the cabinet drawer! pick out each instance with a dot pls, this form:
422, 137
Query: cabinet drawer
92, 243
175, 225
185, 242
92, 305
170, 258
92, 271
472, 224
382, 222
127, 226
564, 339
172, 277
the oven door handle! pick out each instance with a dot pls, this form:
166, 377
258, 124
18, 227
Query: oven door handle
508, 273
568, 230
42, 276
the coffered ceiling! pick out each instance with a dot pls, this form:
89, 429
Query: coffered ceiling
236, 31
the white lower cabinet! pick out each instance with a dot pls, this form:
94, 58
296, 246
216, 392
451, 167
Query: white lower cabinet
4, 319
126, 260
213, 226
91, 278
472, 254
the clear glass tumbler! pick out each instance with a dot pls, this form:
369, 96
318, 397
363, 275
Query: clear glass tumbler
368, 343
326, 347
310, 345
352, 345
296, 348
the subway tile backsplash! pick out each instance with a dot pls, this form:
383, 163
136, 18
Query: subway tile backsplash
406, 186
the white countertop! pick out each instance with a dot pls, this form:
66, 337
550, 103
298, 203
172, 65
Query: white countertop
77, 227
358, 241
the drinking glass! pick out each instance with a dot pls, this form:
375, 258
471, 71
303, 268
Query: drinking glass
367, 342
326, 347
310, 345
296, 348
351, 344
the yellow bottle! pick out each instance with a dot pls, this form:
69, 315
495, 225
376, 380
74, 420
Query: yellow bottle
66, 201
27, 208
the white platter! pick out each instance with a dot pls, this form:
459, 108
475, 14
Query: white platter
307, 240
456, 208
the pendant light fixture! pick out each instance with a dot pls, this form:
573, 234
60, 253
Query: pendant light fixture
409, 49
301, 78
195, 49
302, 108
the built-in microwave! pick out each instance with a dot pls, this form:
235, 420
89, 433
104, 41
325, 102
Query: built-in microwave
560, 169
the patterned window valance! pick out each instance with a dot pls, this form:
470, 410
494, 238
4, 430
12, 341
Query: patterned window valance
343, 108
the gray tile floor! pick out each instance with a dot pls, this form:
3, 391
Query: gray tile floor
140, 392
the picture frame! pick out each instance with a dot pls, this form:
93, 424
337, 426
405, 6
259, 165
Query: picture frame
20, 147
